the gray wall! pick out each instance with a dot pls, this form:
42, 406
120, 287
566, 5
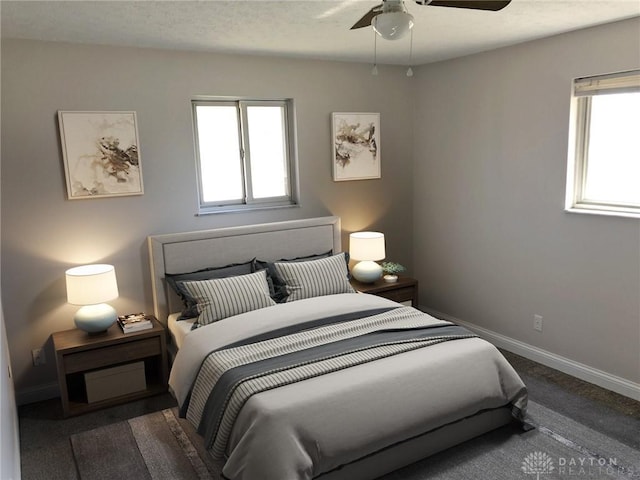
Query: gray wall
493, 245
43, 234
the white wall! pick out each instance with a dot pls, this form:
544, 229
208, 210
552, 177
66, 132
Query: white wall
43, 233
493, 245
9, 434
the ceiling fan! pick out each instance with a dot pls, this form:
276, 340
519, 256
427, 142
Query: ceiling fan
391, 20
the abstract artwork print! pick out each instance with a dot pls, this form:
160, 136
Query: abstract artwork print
101, 154
356, 146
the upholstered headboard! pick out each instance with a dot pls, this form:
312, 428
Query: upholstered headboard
190, 251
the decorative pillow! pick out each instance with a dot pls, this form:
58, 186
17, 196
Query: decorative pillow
315, 278
224, 297
277, 286
175, 281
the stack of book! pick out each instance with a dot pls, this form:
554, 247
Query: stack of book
134, 322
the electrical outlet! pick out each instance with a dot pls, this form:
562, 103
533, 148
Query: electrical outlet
537, 322
38, 357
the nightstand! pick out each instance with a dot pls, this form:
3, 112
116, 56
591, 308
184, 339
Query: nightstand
405, 290
108, 360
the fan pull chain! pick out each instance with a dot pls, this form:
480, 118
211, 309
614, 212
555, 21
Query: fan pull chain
374, 70
410, 70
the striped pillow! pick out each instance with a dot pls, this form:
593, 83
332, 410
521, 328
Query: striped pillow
315, 278
176, 281
224, 297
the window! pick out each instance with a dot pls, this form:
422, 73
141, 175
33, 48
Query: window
604, 161
245, 153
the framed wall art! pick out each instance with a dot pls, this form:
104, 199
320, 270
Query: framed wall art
101, 154
356, 146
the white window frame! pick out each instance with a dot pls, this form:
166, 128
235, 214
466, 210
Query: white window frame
584, 89
248, 202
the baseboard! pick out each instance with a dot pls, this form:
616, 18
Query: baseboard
37, 394
579, 370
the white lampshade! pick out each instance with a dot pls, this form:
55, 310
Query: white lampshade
366, 247
392, 25
91, 286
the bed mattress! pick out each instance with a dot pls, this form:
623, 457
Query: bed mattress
178, 329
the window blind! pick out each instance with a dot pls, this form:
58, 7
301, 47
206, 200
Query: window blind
622, 82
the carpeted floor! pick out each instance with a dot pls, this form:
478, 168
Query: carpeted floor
161, 446
604, 417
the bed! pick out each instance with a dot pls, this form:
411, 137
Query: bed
331, 386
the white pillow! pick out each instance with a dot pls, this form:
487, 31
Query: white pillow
315, 278
224, 297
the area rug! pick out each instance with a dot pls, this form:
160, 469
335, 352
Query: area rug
161, 446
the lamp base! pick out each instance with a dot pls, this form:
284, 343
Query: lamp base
367, 271
95, 318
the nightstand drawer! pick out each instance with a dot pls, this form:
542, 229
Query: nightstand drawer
110, 355
399, 295
405, 290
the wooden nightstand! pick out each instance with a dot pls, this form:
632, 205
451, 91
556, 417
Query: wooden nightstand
78, 353
405, 290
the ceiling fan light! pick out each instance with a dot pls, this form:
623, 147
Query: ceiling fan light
392, 25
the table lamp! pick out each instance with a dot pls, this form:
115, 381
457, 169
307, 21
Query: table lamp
366, 247
91, 286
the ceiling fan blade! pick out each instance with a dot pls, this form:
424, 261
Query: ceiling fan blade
492, 5
365, 21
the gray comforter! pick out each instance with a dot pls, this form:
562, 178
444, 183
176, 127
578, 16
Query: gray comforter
298, 422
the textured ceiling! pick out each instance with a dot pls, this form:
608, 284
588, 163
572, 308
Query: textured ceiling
317, 29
